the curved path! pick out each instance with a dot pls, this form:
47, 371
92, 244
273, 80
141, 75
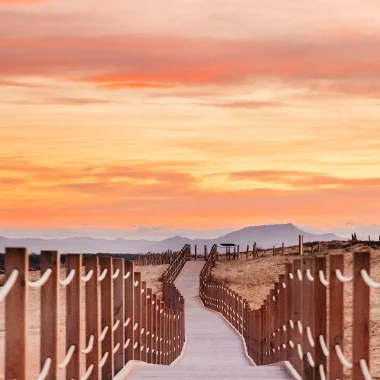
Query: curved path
213, 348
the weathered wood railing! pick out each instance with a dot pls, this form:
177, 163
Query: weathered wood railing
168, 257
124, 320
302, 318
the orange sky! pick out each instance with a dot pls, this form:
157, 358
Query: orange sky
193, 114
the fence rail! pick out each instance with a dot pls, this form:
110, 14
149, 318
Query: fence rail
145, 259
124, 320
302, 318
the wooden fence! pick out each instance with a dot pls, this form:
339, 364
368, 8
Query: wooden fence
302, 318
144, 259
124, 320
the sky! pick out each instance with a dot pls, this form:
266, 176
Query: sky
189, 115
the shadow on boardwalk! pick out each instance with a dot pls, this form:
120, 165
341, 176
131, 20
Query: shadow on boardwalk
213, 349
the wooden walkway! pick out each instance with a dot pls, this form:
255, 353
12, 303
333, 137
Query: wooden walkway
214, 350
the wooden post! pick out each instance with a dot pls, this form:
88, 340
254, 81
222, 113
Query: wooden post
107, 317
282, 315
15, 314
274, 251
247, 254
289, 311
73, 315
206, 254
93, 316
119, 318
320, 309
171, 334
300, 245
129, 294
159, 331
264, 324
307, 316
361, 310
195, 252
297, 315
259, 336
336, 315
276, 322
167, 345
254, 250
150, 305
155, 312
143, 321
283, 249
49, 312
163, 333
183, 330
138, 317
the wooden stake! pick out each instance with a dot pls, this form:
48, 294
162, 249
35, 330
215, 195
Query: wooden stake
15, 315
73, 315
361, 310
119, 317
49, 312
107, 319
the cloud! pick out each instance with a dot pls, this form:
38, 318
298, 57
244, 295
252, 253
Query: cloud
67, 101
250, 104
24, 2
299, 179
155, 62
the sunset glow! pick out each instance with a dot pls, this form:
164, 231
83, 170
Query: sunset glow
194, 114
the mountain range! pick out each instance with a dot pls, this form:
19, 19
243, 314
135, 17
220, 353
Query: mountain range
265, 236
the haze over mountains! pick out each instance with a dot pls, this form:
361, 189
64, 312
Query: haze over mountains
265, 236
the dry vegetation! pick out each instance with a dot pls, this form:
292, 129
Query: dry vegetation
253, 279
150, 274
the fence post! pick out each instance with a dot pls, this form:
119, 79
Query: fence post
307, 316
93, 316
319, 316
276, 320
149, 325
106, 264
73, 315
15, 314
336, 316
289, 311
254, 250
154, 329
361, 310
195, 251
206, 254
119, 318
300, 245
129, 294
163, 333
297, 315
158, 332
49, 312
282, 315
283, 249
143, 321
167, 332
138, 317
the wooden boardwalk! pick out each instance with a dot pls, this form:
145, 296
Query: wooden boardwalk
214, 350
